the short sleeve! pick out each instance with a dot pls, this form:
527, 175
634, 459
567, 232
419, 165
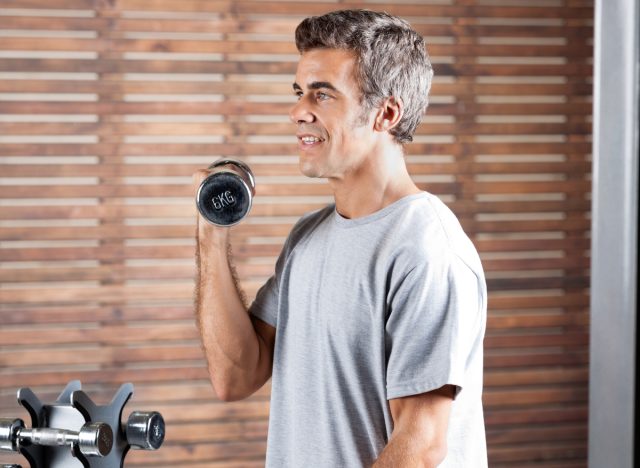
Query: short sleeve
435, 326
265, 305
267, 301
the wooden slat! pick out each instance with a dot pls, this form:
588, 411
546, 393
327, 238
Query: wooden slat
300, 189
459, 90
26, 315
281, 25
187, 210
271, 129
266, 170
262, 47
275, 228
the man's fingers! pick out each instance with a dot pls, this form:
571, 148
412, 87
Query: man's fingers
198, 177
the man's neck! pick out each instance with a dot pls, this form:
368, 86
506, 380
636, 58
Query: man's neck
376, 184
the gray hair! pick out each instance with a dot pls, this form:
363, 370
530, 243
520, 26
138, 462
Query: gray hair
391, 59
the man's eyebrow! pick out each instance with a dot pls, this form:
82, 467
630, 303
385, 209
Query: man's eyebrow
316, 85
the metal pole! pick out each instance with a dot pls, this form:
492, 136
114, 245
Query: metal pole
614, 235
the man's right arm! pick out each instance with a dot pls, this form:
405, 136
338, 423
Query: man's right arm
238, 347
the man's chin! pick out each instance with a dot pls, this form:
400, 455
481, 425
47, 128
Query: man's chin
309, 170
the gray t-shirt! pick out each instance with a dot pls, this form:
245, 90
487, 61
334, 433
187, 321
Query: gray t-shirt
366, 310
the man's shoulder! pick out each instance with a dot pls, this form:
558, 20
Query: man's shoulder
432, 231
312, 219
426, 224
306, 225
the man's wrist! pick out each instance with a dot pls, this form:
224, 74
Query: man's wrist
212, 237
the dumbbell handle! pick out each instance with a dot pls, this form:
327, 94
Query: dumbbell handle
93, 439
48, 437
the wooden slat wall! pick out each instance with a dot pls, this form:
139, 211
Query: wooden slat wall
108, 106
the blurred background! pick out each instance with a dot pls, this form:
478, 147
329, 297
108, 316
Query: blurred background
108, 106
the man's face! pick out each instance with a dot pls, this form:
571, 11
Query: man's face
333, 137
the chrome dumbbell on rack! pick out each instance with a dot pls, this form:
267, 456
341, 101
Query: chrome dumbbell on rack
75, 432
93, 439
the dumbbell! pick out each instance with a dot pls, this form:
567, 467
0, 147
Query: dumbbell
145, 430
93, 439
224, 198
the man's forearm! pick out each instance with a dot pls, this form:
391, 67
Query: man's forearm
228, 337
406, 450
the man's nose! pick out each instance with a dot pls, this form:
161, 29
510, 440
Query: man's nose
300, 113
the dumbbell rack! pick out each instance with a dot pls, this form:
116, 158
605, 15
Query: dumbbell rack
75, 432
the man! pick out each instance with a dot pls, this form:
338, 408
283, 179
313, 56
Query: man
372, 325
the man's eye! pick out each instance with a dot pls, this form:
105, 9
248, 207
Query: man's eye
299, 95
322, 96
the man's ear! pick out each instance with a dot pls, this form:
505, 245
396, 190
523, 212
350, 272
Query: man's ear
389, 114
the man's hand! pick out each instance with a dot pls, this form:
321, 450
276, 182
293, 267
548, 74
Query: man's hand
419, 437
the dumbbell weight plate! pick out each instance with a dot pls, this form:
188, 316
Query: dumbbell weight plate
224, 198
145, 430
95, 439
9, 433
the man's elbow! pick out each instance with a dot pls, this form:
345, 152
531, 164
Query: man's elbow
434, 454
234, 387
228, 390
227, 394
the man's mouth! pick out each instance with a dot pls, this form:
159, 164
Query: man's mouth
309, 140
